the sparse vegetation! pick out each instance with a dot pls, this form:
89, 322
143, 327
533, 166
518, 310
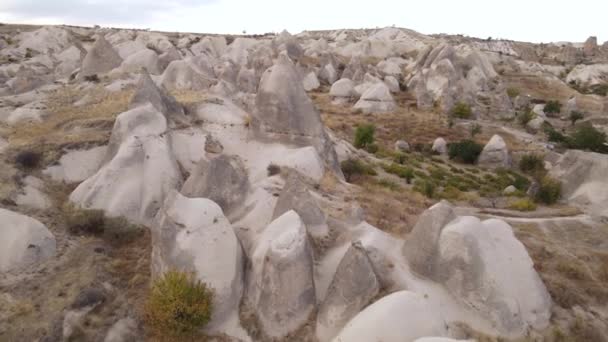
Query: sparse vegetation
587, 137
466, 151
575, 116
94, 222
461, 110
549, 190
524, 117
523, 204
179, 305
552, 107
353, 168
532, 164
28, 159
364, 136
273, 169
512, 92
425, 187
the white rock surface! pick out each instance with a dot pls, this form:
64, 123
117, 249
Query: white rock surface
193, 234
440, 146
495, 153
479, 260
77, 165
384, 320
376, 99
311, 82
23, 241
32, 194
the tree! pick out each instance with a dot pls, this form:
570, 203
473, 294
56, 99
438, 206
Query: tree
575, 116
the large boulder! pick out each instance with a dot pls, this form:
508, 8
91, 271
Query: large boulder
193, 235
311, 82
584, 177
376, 99
440, 146
139, 168
398, 317
221, 111
284, 112
343, 89
353, 286
23, 241
100, 59
148, 92
282, 288
144, 59
495, 153
484, 265
179, 75
421, 248
223, 180
296, 196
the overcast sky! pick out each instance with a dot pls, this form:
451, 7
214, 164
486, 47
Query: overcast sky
524, 20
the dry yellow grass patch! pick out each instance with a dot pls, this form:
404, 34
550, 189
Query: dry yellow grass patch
188, 97
67, 124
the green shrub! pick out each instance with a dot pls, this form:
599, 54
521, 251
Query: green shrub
178, 305
364, 135
552, 107
531, 164
408, 175
549, 190
465, 151
451, 193
425, 187
523, 204
371, 148
524, 117
587, 137
351, 168
94, 222
575, 116
387, 183
461, 110
555, 136
512, 92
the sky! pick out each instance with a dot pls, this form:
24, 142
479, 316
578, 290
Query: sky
523, 20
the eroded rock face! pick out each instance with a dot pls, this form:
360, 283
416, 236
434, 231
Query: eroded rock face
138, 171
148, 92
282, 289
584, 178
440, 146
193, 235
354, 285
23, 241
479, 261
295, 196
223, 180
102, 58
495, 153
421, 247
180, 75
383, 320
284, 112
343, 88
376, 99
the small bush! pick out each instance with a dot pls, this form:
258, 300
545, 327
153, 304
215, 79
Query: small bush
524, 117
524, 204
451, 193
465, 151
531, 164
512, 92
461, 110
549, 190
575, 116
94, 222
178, 305
28, 159
92, 78
273, 169
372, 148
425, 187
552, 107
364, 135
599, 89
351, 168
587, 137
389, 184
555, 136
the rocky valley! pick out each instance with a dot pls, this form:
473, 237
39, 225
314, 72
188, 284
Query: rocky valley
345, 185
